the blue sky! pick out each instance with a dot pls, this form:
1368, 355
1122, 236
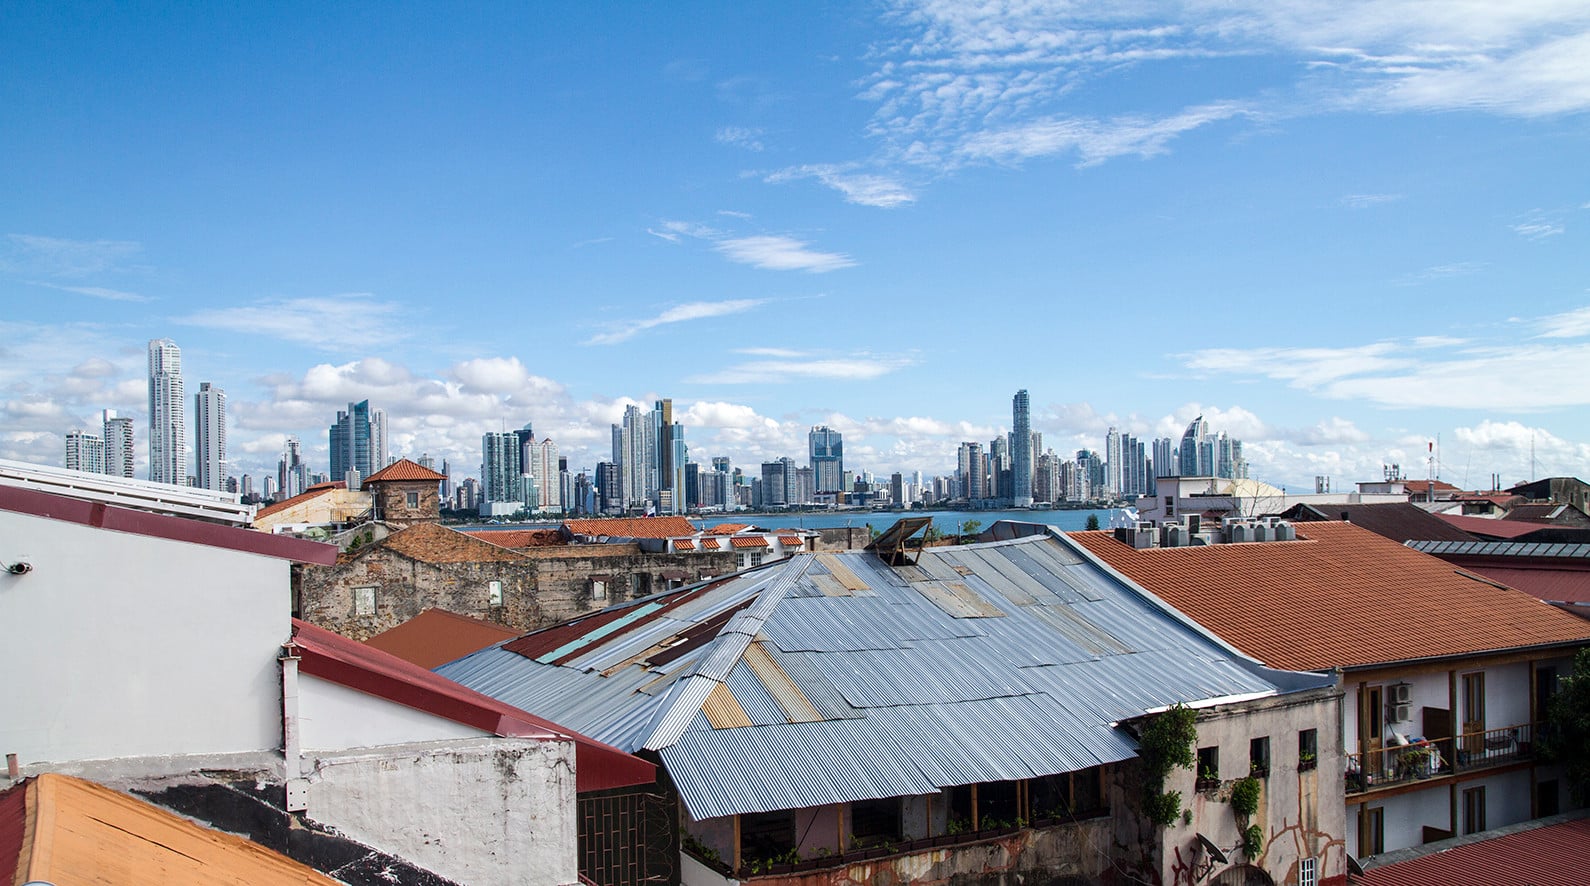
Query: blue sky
1338, 229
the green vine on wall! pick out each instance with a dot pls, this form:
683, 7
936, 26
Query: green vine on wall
1245, 796
1165, 743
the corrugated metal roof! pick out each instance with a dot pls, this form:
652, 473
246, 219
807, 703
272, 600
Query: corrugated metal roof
1558, 853
880, 691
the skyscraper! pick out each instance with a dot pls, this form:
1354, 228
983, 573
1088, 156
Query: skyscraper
1021, 450
84, 452
636, 458
292, 474
358, 443
118, 437
972, 471
827, 448
545, 478
1114, 464
500, 468
168, 427
209, 436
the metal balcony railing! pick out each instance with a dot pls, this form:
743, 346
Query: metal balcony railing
1401, 764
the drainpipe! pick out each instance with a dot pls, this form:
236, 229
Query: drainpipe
297, 799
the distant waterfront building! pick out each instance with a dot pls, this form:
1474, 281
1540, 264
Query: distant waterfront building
1046, 480
209, 440
826, 447
999, 467
971, 471
545, 486
1167, 463
84, 452
168, 434
292, 474
117, 434
500, 470
1114, 464
358, 443
1021, 450
609, 488
778, 483
635, 453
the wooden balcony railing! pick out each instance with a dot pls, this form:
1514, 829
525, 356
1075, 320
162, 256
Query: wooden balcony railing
1401, 764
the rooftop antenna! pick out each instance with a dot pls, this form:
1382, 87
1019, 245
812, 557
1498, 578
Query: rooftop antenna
1531, 456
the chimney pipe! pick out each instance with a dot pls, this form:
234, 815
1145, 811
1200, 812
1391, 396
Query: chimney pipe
13, 771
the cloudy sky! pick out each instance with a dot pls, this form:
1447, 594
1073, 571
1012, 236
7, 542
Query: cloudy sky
1339, 230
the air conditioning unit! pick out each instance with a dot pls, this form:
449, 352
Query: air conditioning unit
1239, 532
1285, 532
1401, 693
1194, 523
1263, 532
1401, 713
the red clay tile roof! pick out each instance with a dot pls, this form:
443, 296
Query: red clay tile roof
1558, 853
1486, 527
632, 527
1338, 596
403, 469
60, 829
518, 538
314, 491
684, 544
355, 665
749, 541
709, 544
434, 543
729, 528
790, 540
435, 637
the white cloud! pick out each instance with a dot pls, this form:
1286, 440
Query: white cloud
779, 253
349, 321
1443, 272
740, 137
855, 368
59, 257
865, 189
678, 314
1094, 141
1365, 201
1569, 324
99, 292
1537, 230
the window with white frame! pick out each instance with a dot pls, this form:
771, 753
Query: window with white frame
496, 593
598, 589
1308, 872
412, 499
364, 600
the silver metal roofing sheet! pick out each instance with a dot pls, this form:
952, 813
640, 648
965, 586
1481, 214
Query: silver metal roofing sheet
812, 684
760, 706
830, 624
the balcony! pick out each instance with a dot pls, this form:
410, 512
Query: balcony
1404, 764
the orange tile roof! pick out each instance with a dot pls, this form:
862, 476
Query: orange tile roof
435, 637
709, 544
632, 527
1338, 596
76, 831
434, 543
684, 544
403, 469
729, 528
518, 538
314, 491
789, 540
748, 541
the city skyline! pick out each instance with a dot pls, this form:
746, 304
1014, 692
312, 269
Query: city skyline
790, 218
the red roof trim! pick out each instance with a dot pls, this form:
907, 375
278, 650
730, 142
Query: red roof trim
103, 516
357, 666
13, 827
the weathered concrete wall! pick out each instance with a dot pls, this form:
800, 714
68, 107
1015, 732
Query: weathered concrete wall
841, 538
1301, 810
1029, 857
549, 586
482, 811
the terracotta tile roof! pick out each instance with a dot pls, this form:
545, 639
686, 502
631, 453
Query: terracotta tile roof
749, 541
1556, 585
518, 538
684, 544
1485, 527
434, 543
436, 637
1398, 521
1338, 596
76, 831
709, 544
1558, 853
632, 527
729, 528
358, 666
790, 540
403, 469
314, 491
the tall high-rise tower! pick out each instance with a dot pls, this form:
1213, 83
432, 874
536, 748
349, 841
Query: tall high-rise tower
209, 436
1193, 462
118, 437
501, 468
827, 448
168, 426
358, 442
1021, 450
84, 452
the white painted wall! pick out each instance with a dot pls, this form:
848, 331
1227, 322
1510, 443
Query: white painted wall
333, 717
479, 811
122, 645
